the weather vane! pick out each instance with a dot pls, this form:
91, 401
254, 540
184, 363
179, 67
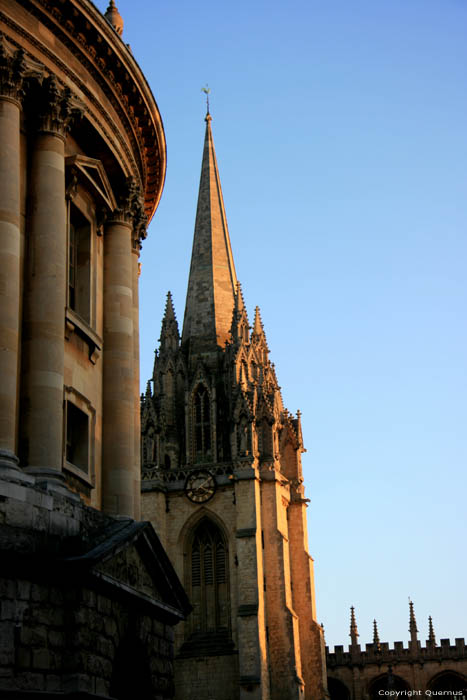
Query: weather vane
206, 91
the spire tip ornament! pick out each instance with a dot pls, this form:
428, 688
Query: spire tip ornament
206, 89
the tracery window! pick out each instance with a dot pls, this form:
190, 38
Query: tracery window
202, 423
209, 580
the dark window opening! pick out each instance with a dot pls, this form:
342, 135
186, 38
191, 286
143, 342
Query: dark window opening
202, 415
77, 437
209, 580
79, 264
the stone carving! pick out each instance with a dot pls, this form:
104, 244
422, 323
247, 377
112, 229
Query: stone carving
57, 108
12, 70
131, 210
128, 568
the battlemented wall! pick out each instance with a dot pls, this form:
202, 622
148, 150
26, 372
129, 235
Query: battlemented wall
381, 671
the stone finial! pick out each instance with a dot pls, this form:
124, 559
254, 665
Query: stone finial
376, 642
353, 628
114, 18
431, 632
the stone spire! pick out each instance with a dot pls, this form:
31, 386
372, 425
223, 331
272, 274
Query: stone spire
376, 642
353, 628
431, 632
212, 283
114, 18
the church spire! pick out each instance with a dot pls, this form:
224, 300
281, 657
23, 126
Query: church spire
212, 283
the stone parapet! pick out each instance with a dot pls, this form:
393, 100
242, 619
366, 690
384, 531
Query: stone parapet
398, 653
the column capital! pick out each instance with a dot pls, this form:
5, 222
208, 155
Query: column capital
16, 67
57, 108
130, 210
12, 71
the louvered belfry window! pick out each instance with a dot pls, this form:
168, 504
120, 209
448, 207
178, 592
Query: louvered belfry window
209, 585
202, 424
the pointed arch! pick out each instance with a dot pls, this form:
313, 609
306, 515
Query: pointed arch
384, 682
449, 681
207, 578
201, 424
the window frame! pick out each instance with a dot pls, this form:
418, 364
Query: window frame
74, 397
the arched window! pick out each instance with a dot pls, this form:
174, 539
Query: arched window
449, 683
202, 424
386, 682
209, 580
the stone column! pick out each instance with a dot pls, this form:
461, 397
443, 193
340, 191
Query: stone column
44, 312
11, 78
136, 409
118, 442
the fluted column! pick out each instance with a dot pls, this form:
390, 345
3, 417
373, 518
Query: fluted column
11, 78
118, 448
44, 312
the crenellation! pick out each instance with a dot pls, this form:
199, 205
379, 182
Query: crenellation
404, 667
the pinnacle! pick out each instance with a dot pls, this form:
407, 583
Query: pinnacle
258, 324
169, 313
376, 641
412, 621
412, 626
431, 632
239, 301
353, 627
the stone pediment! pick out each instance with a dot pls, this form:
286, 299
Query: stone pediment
127, 569
129, 562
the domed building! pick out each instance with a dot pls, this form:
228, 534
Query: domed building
89, 598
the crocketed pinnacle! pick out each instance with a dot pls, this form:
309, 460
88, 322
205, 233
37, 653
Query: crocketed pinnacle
412, 624
353, 628
239, 329
431, 632
212, 283
170, 337
376, 642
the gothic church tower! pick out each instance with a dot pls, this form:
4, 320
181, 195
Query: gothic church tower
223, 486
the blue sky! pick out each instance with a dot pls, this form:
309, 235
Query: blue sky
340, 131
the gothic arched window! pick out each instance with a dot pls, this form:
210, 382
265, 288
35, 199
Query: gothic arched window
202, 423
209, 580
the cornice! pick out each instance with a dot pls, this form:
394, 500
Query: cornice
87, 34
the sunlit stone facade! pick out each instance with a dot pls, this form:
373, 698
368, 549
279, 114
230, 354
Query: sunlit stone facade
82, 166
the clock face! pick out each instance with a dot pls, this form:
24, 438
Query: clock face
200, 486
